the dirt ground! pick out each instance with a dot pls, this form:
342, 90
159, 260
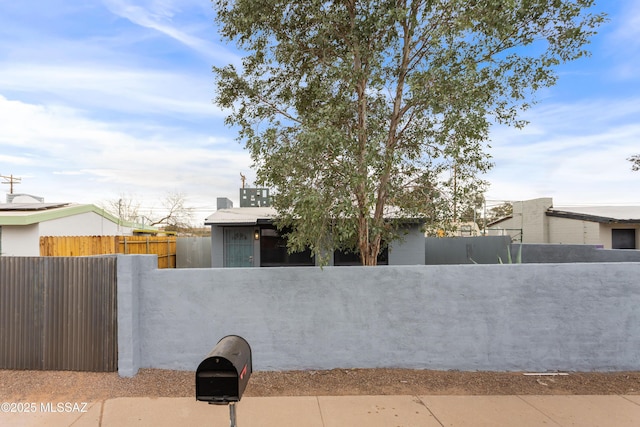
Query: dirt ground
91, 386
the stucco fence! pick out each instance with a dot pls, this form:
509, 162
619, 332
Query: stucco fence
527, 317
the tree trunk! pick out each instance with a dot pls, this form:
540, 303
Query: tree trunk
369, 250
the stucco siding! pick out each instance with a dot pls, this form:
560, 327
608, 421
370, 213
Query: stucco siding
24, 240
217, 247
86, 224
576, 317
410, 250
605, 233
20, 240
506, 227
540, 224
534, 222
573, 231
605, 236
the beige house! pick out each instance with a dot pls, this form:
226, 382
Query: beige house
538, 221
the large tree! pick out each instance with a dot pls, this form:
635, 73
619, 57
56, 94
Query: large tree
361, 113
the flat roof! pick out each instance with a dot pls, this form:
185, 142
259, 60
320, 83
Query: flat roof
30, 206
597, 213
256, 215
241, 216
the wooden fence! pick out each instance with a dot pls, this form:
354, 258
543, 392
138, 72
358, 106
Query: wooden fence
163, 246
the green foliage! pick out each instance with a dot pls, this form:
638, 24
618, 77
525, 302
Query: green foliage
356, 112
518, 258
499, 212
635, 160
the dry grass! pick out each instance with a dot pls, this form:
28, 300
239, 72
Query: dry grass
91, 386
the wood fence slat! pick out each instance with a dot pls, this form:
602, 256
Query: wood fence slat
163, 246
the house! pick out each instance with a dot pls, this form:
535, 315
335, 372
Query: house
24, 221
538, 221
247, 237
458, 229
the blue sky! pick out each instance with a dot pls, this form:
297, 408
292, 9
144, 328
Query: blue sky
100, 99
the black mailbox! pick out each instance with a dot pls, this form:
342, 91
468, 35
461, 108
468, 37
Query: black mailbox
223, 375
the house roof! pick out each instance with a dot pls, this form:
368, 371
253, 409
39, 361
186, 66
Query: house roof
241, 216
605, 214
29, 206
498, 221
601, 214
257, 215
33, 213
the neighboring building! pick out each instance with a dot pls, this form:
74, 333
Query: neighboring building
246, 237
254, 198
22, 224
538, 221
459, 229
23, 198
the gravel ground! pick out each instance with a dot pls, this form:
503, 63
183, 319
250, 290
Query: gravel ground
91, 386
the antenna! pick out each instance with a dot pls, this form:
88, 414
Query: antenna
10, 180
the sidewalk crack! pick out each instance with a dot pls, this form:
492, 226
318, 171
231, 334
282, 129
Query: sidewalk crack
320, 410
628, 400
538, 409
421, 402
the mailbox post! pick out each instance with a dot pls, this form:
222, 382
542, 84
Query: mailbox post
222, 376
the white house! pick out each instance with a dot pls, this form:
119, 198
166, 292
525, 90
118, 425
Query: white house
22, 224
538, 221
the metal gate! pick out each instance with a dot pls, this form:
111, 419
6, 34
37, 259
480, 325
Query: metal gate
238, 247
58, 313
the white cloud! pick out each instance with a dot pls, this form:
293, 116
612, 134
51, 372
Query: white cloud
576, 153
136, 91
159, 16
70, 155
622, 45
627, 24
15, 160
100, 98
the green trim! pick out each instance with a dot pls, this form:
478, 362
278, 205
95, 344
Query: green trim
34, 217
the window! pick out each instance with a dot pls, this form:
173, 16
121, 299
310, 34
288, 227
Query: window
623, 238
273, 251
349, 258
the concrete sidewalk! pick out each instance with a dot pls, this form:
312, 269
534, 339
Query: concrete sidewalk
335, 411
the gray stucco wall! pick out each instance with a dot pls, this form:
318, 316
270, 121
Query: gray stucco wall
129, 269
532, 253
409, 250
217, 245
487, 249
466, 250
576, 317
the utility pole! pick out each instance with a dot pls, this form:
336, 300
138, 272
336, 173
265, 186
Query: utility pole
10, 180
